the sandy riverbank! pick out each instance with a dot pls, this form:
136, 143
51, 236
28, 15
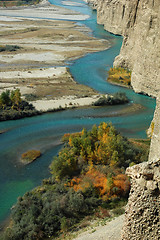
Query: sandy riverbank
38, 67
65, 102
44, 10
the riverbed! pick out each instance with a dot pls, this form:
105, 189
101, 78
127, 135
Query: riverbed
44, 132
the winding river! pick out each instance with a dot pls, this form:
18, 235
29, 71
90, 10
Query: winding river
44, 132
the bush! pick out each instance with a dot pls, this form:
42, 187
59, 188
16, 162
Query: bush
30, 156
13, 107
30, 97
118, 211
117, 98
9, 48
43, 213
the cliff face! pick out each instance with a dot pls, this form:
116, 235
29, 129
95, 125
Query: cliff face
142, 215
138, 21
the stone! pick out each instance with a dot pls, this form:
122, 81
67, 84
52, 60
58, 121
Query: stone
142, 182
151, 185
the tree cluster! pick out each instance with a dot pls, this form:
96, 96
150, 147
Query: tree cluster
87, 173
115, 99
97, 160
12, 100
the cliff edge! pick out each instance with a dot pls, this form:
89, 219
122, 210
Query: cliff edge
138, 22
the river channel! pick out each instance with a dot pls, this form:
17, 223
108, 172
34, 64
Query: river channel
44, 132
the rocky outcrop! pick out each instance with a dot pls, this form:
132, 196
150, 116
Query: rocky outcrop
154, 154
142, 216
138, 21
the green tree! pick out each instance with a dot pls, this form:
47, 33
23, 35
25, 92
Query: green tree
5, 98
16, 98
65, 164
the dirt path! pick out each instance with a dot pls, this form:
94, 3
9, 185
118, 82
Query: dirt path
111, 231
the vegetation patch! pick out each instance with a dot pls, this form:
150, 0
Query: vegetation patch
13, 107
9, 48
115, 99
144, 145
30, 156
88, 177
120, 76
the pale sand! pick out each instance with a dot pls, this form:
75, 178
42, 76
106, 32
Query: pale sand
44, 12
48, 43
33, 73
41, 73
9, 19
69, 102
24, 89
47, 56
70, 3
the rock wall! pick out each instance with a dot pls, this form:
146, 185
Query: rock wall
139, 23
142, 215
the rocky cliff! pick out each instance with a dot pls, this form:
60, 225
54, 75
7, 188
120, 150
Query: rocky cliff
138, 21
142, 216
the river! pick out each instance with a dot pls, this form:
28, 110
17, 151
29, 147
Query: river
44, 132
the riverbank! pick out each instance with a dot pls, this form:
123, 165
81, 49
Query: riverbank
39, 68
65, 102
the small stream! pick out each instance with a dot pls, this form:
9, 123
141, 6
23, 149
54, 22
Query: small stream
44, 132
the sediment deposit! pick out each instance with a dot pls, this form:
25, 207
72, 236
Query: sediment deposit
38, 68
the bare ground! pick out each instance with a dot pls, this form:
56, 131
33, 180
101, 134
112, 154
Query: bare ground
110, 231
44, 44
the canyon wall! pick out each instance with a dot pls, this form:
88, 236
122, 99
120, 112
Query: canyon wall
138, 21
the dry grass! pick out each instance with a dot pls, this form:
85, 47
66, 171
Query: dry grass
30, 156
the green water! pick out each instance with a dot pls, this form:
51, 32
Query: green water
44, 132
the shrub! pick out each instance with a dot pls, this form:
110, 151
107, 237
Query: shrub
118, 211
13, 107
117, 98
30, 156
120, 76
9, 48
43, 213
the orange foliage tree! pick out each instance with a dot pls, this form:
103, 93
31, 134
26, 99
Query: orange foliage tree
96, 160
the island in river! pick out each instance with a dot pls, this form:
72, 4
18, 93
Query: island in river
30, 156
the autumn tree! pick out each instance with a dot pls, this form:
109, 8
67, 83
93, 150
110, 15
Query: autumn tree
16, 97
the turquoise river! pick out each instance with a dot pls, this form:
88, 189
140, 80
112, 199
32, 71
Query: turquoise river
44, 132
